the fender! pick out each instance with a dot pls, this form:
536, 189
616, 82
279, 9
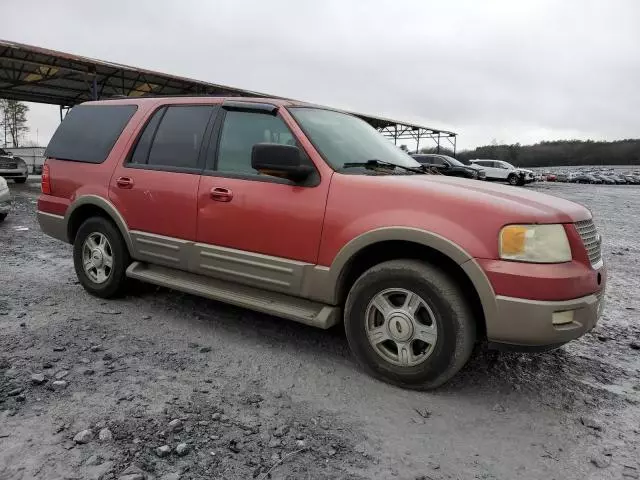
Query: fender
323, 282
105, 205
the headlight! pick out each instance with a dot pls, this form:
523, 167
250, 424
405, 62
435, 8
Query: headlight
535, 243
22, 165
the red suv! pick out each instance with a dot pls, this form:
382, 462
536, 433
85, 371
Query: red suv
310, 214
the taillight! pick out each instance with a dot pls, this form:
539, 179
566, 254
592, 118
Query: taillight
45, 184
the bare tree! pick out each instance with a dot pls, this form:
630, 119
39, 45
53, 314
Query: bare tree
13, 115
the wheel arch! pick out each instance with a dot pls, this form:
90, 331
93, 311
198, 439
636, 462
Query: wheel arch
92, 205
392, 243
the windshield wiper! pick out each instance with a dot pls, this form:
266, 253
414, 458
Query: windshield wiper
382, 163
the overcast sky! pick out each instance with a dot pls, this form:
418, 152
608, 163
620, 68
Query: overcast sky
513, 71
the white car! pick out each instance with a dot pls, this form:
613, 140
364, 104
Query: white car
500, 170
5, 199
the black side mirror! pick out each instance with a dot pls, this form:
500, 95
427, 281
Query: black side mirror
279, 160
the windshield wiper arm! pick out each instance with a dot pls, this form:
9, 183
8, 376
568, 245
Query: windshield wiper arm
381, 163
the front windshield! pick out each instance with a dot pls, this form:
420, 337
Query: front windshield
344, 139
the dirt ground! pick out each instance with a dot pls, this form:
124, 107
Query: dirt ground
238, 395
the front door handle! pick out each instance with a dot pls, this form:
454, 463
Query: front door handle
220, 194
124, 182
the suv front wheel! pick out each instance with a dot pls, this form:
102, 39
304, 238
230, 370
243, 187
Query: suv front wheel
100, 257
408, 323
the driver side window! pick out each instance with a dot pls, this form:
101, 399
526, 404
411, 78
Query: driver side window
241, 131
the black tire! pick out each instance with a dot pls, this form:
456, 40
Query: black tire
116, 282
2, 217
454, 321
20, 179
513, 180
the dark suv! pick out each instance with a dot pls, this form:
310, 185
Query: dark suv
447, 165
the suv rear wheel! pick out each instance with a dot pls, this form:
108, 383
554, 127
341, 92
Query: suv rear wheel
408, 323
100, 257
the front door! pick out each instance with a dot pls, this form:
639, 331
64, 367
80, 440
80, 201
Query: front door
156, 189
253, 228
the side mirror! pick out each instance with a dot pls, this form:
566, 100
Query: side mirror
279, 160
446, 166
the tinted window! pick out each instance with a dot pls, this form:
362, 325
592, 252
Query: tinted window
178, 138
241, 131
141, 153
89, 132
437, 160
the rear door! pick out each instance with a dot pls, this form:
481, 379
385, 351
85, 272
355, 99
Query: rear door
156, 188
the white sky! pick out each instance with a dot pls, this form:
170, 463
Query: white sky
510, 70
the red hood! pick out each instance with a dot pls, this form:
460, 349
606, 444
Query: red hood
516, 204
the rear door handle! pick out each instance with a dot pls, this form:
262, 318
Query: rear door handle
124, 182
220, 194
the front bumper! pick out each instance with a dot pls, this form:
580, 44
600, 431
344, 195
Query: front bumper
530, 323
526, 297
13, 173
5, 201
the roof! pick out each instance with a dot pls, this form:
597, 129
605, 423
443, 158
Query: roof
35, 74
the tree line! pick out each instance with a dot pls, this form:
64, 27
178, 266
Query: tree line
556, 153
13, 121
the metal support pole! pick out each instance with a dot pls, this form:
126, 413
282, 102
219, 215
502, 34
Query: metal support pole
395, 134
455, 141
94, 88
418, 143
61, 113
438, 142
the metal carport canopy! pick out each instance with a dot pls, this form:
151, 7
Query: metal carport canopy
34, 74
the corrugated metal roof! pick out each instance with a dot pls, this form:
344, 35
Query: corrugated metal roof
35, 74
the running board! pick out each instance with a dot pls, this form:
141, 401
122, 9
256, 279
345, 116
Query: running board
277, 304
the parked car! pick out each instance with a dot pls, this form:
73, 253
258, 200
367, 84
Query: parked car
13, 167
5, 199
619, 179
447, 165
587, 178
499, 170
312, 215
631, 179
551, 177
562, 177
604, 178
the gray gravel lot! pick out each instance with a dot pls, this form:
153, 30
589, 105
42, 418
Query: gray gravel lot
171, 386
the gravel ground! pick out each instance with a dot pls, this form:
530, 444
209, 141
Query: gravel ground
162, 385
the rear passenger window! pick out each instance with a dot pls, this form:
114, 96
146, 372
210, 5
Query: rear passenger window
173, 137
89, 132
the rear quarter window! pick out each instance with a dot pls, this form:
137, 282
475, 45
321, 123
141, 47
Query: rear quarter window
89, 132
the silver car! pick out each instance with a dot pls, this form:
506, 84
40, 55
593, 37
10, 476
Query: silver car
5, 199
13, 167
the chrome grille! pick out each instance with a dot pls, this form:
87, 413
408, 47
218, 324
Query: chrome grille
8, 165
591, 240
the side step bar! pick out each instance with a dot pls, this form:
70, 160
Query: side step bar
277, 304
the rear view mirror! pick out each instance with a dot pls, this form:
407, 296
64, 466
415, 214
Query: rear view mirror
279, 160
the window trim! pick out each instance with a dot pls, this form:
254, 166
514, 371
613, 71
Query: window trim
211, 166
169, 168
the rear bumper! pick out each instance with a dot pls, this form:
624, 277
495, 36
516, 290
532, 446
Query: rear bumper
53, 225
529, 324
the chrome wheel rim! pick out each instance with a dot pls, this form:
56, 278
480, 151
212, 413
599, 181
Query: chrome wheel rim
401, 327
97, 257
